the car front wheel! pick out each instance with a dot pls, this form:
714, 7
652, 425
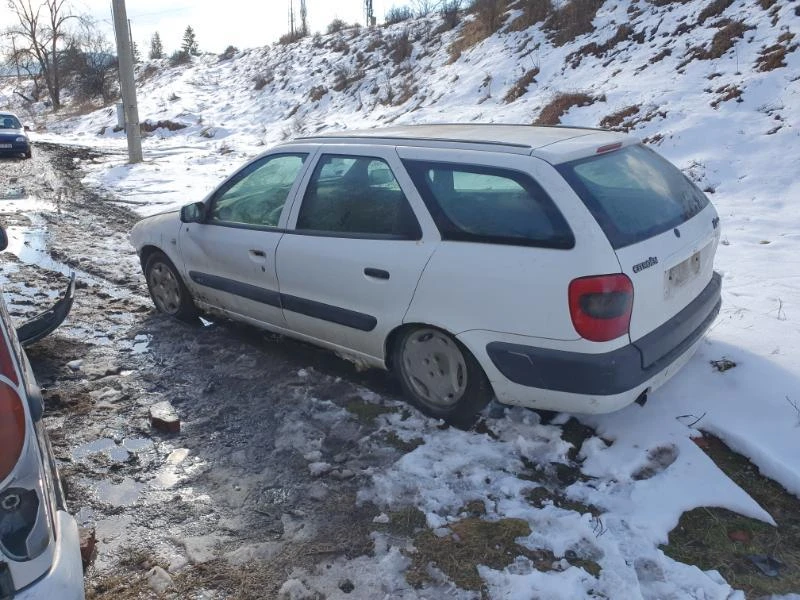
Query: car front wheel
167, 289
440, 375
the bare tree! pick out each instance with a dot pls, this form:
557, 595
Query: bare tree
423, 8
42, 28
89, 60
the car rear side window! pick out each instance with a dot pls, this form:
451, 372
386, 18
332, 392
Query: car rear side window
633, 193
490, 205
356, 196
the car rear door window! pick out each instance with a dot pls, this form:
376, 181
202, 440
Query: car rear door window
490, 205
257, 194
358, 196
633, 193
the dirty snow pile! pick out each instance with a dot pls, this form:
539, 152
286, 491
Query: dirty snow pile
732, 124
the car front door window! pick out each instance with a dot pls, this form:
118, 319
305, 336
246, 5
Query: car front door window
257, 195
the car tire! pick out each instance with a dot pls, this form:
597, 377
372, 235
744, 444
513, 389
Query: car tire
29, 154
167, 290
440, 376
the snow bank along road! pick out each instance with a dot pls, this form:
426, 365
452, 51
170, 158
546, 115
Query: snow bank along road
295, 476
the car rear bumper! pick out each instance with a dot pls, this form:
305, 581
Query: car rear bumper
612, 379
65, 578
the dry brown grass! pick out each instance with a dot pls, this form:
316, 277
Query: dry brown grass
624, 32
726, 93
344, 78
660, 56
487, 19
533, 12
714, 9
714, 538
316, 93
400, 47
723, 40
520, 88
148, 126
476, 542
551, 114
615, 120
571, 20
773, 57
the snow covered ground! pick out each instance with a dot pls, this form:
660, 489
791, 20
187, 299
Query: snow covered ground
745, 151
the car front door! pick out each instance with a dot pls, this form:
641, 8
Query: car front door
354, 250
230, 256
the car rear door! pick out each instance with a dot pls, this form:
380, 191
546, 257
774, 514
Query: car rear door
662, 227
354, 249
230, 256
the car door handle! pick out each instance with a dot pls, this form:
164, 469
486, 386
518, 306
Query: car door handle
376, 273
258, 253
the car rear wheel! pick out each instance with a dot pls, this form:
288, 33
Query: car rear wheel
167, 289
28, 154
440, 376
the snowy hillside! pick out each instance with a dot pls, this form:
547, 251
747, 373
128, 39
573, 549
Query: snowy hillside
714, 85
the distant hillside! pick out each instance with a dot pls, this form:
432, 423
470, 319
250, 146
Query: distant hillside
689, 76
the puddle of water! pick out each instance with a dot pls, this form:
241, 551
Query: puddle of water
168, 477
119, 494
136, 444
116, 452
93, 448
140, 344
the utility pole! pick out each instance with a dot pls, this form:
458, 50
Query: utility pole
291, 18
126, 82
303, 18
370, 13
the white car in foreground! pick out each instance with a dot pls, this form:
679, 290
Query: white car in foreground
556, 268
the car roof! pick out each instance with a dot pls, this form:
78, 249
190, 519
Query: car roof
553, 143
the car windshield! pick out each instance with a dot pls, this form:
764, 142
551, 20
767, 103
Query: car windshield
9, 122
633, 193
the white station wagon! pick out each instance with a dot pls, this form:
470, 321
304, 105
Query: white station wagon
555, 268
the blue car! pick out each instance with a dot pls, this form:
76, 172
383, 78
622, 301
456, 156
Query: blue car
13, 139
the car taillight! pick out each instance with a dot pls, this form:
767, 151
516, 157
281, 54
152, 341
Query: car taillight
12, 429
7, 367
601, 306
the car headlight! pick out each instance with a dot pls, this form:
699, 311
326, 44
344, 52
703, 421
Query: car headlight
21, 138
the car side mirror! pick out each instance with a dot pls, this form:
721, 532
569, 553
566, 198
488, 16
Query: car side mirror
3, 239
193, 213
26, 127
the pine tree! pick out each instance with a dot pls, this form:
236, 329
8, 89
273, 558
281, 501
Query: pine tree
189, 46
156, 48
137, 57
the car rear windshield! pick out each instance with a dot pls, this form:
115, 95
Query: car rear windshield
633, 193
473, 203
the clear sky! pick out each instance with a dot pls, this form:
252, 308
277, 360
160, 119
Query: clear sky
217, 24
